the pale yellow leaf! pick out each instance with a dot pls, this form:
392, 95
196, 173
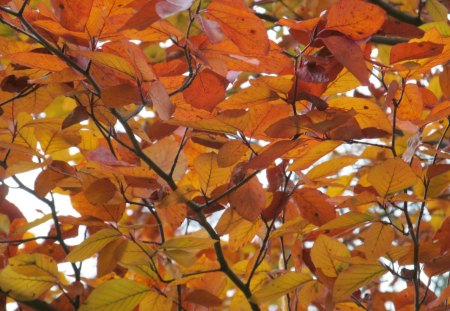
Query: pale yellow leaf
354, 278
280, 286
188, 243
28, 276
347, 220
93, 244
324, 253
155, 302
116, 295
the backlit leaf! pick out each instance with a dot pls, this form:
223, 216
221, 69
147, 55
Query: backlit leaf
324, 253
280, 286
93, 244
391, 176
355, 277
240, 25
356, 19
116, 295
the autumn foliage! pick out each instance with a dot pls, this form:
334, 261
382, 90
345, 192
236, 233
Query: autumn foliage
225, 154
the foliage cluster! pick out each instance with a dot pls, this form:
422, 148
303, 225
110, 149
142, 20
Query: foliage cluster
215, 168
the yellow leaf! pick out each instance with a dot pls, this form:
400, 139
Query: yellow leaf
243, 233
109, 60
411, 106
354, 278
155, 302
377, 240
278, 287
437, 10
369, 114
211, 175
331, 167
323, 254
28, 276
391, 176
188, 243
347, 220
116, 295
345, 81
93, 244
309, 152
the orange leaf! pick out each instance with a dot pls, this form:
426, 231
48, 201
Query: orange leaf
411, 106
391, 176
240, 25
38, 61
414, 50
249, 200
206, 91
100, 191
314, 206
73, 14
354, 18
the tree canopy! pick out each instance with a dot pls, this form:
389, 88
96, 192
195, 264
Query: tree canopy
226, 154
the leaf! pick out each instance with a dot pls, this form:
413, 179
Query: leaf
391, 176
356, 19
109, 60
314, 206
38, 61
230, 153
28, 276
211, 175
206, 91
203, 298
93, 244
411, 105
355, 277
280, 286
378, 240
73, 14
414, 50
240, 25
349, 219
188, 243
437, 10
155, 302
116, 295
161, 101
249, 199
330, 167
100, 191
348, 54
324, 253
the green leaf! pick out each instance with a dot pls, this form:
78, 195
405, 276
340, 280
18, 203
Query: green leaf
280, 286
437, 10
116, 295
93, 244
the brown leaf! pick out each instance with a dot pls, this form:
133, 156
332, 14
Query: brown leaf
348, 54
